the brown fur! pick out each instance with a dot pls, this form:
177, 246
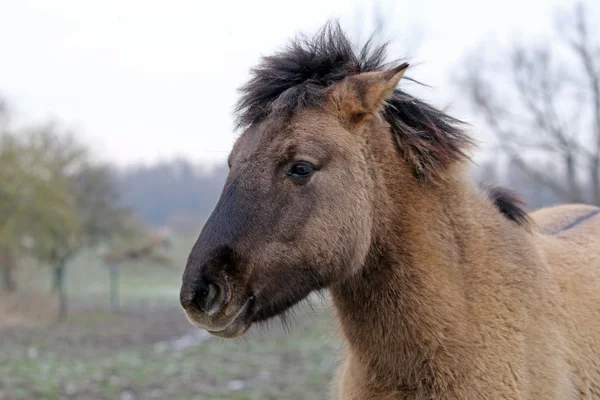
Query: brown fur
442, 291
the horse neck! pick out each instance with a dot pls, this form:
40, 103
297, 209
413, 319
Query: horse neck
405, 314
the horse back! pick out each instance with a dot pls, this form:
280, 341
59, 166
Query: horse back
568, 237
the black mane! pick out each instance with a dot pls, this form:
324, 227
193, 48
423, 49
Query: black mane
509, 204
296, 77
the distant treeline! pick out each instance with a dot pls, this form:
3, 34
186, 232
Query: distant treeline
182, 194
176, 193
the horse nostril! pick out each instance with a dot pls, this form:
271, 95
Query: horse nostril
209, 297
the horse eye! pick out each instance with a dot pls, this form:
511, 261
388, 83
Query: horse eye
300, 169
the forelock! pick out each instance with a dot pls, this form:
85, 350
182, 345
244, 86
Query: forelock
296, 76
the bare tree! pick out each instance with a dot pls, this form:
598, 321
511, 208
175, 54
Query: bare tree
542, 103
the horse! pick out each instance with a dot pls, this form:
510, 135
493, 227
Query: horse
442, 288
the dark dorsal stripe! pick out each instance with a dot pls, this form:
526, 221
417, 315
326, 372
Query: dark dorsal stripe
576, 222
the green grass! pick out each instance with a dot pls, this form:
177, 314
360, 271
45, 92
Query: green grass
134, 354
297, 365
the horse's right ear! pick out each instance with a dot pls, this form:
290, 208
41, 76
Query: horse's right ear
361, 96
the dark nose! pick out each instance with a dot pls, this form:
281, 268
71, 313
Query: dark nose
205, 296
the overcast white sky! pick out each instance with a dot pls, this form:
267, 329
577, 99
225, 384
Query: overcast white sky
146, 80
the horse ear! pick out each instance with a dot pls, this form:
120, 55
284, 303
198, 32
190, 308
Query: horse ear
361, 96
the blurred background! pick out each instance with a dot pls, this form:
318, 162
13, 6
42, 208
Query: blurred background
115, 125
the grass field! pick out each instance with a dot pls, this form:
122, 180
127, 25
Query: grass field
148, 350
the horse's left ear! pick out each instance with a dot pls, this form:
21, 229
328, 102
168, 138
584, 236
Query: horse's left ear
361, 96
